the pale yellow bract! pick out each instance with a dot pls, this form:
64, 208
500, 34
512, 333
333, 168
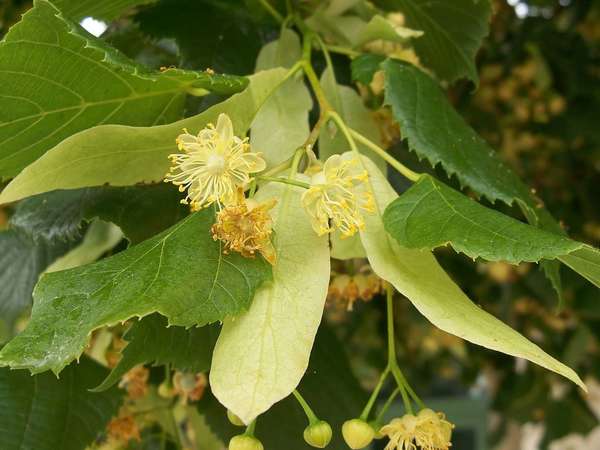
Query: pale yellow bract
213, 165
338, 193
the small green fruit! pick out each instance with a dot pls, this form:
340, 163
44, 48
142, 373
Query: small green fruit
318, 435
357, 433
244, 442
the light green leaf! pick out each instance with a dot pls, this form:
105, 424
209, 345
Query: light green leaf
122, 156
344, 30
355, 114
329, 387
431, 214
99, 238
46, 413
453, 31
262, 354
180, 273
106, 10
281, 126
151, 341
380, 28
417, 275
436, 131
56, 80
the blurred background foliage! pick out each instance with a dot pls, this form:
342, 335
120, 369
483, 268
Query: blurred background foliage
538, 104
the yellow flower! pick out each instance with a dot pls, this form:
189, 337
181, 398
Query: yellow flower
426, 431
401, 432
338, 193
246, 228
213, 165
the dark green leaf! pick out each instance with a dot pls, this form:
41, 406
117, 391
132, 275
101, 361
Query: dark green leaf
437, 132
56, 79
46, 413
329, 387
365, 66
431, 214
58, 215
106, 10
150, 341
228, 40
21, 261
181, 273
453, 31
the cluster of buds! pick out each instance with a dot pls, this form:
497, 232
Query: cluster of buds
135, 382
122, 429
346, 289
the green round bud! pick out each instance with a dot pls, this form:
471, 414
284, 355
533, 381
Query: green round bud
244, 442
357, 433
318, 434
165, 390
235, 420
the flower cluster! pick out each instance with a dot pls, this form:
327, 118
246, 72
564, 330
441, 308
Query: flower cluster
246, 228
345, 289
427, 430
339, 193
135, 382
213, 165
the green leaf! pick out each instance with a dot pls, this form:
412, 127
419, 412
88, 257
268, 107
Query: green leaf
262, 354
58, 215
435, 131
21, 261
281, 126
150, 341
364, 67
122, 156
417, 275
181, 273
453, 33
56, 80
430, 214
379, 28
46, 413
355, 114
330, 388
105, 10
228, 40
586, 262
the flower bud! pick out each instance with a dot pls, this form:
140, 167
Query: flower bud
165, 390
318, 434
357, 433
235, 420
244, 442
